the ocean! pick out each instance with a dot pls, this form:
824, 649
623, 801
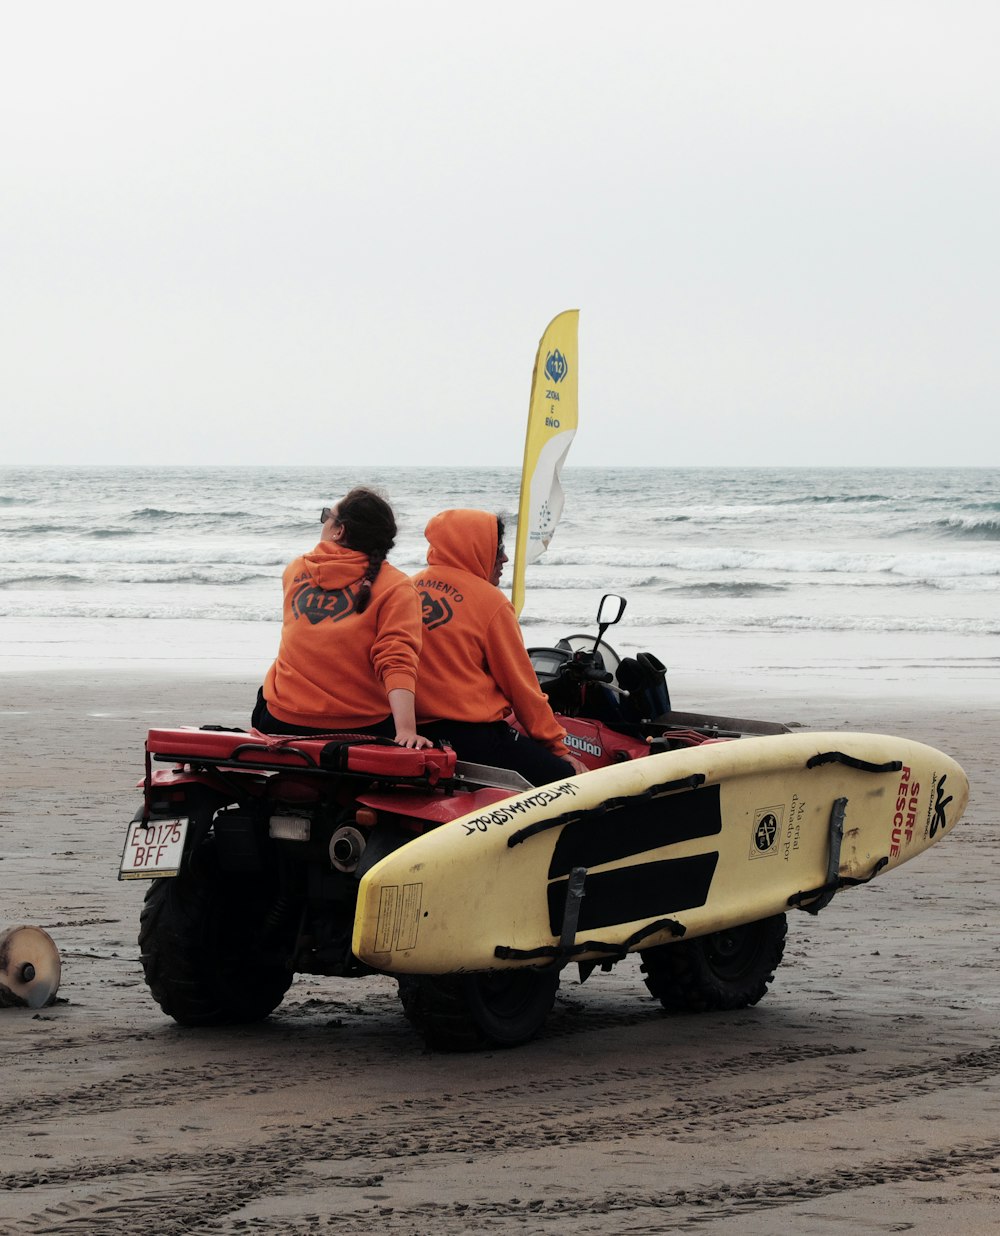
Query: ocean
882, 578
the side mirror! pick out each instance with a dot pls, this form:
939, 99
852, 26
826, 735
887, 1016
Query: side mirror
609, 612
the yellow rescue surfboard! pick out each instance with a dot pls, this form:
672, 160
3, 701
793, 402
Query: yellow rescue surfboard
683, 843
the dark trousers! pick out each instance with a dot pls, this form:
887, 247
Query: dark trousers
261, 719
494, 742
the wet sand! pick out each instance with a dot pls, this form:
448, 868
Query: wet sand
862, 1094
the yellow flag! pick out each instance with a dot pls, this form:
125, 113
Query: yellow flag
552, 414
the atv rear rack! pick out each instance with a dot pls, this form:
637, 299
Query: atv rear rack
364, 755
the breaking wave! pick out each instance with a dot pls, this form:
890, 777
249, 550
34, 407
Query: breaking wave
970, 527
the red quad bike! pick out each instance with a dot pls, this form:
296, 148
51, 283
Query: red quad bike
256, 844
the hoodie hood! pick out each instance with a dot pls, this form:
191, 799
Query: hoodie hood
463, 539
333, 566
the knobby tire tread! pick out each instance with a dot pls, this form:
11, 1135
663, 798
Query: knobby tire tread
464, 1013
682, 976
195, 944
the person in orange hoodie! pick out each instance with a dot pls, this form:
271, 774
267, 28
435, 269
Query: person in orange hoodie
351, 634
474, 667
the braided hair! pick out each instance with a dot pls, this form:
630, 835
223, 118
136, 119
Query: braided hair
370, 528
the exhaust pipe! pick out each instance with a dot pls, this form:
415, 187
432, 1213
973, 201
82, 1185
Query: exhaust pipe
346, 847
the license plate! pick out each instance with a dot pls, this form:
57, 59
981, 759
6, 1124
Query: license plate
153, 851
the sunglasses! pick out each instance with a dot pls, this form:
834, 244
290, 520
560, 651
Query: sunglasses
325, 514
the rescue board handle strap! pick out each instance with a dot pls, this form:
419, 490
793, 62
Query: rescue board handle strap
843, 882
557, 952
819, 898
610, 804
854, 881
576, 890
840, 757
830, 884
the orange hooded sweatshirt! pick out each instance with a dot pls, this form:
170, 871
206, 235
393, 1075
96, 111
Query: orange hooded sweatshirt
335, 666
473, 664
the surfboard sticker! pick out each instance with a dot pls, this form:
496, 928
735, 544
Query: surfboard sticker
409, 916
388, 907
398, 917
768, 823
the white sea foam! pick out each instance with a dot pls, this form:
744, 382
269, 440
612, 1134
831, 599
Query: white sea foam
91, 558
921, 565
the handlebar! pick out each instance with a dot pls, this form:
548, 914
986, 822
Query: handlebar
585, 668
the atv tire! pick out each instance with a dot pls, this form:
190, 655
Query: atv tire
196, 940
729, 969
470, 1011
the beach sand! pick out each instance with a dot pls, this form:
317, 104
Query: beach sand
862, 1094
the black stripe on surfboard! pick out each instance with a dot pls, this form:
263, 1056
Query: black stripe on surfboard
644, 890
635, 826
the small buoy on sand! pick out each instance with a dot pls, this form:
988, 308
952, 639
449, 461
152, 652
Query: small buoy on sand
29, 968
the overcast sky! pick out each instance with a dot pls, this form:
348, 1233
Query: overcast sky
244, 232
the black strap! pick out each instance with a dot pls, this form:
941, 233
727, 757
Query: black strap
576, 890
831, 884
839, 757
797, 899
556, 951
334, 754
